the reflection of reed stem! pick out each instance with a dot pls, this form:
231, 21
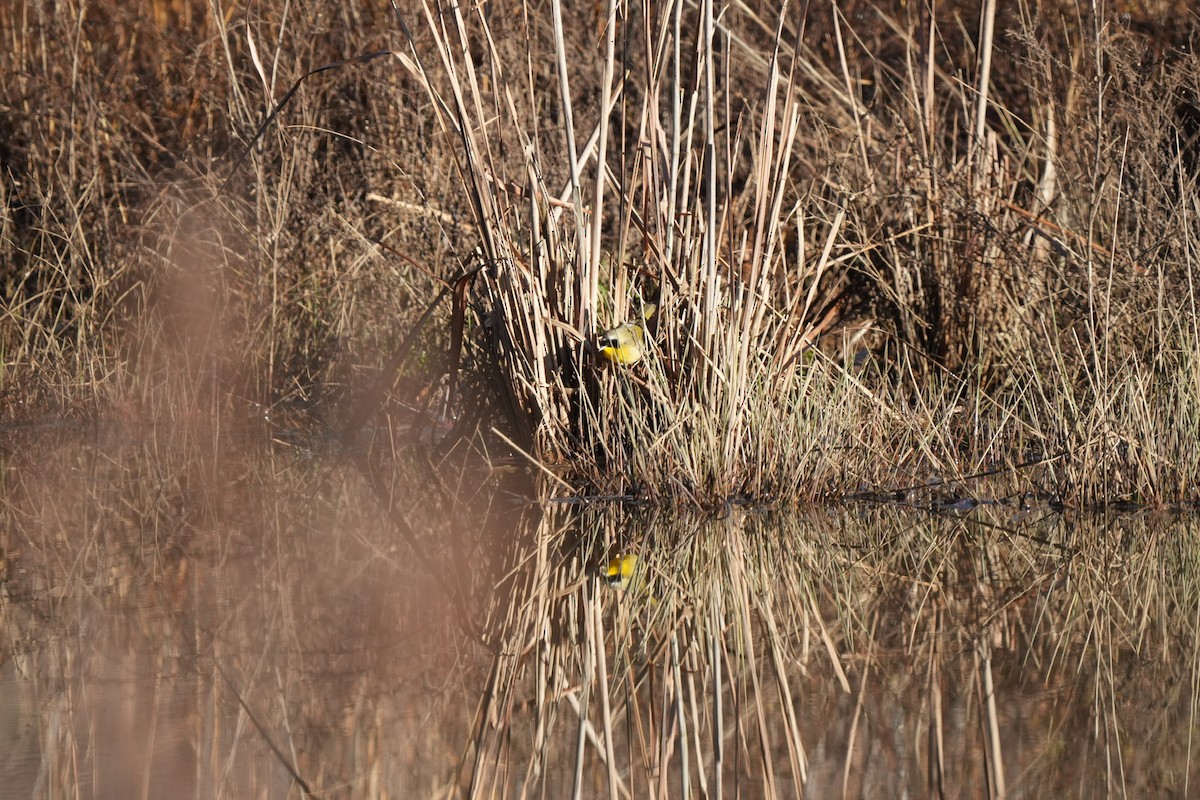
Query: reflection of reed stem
283, 759
984, 654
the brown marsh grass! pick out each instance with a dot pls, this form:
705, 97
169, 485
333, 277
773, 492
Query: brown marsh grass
887, 246
260, 532
997, 227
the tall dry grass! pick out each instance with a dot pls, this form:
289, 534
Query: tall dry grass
887, 247
136, 258
895, 257
998, 223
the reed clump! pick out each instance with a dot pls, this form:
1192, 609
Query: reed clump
883, 252
886, 248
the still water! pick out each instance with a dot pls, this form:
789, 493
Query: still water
210, 615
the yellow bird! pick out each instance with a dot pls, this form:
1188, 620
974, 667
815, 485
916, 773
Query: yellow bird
625, 344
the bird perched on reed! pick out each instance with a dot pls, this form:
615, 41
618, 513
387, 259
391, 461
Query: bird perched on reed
625, 344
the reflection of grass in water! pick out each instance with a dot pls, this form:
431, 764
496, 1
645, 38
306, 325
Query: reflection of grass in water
847, 647
170, 592
876, 649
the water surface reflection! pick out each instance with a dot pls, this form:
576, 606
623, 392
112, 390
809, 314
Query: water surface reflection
190, 616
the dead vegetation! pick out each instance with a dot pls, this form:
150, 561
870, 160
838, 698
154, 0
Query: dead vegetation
885, 247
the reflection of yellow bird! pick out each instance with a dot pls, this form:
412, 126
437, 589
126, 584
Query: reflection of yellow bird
620, 570
625, 574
